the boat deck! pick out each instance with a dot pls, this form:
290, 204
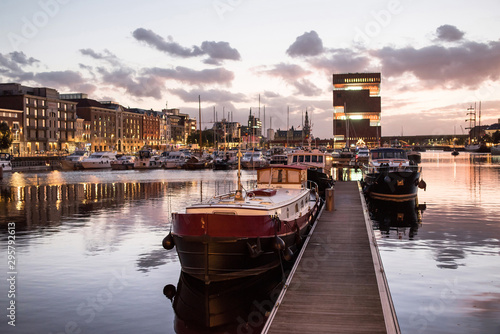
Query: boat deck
335, 287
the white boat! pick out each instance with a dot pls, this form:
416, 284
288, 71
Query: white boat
5, 162
147, 160
245, 233
321, 161
278, 159
123, 162
73, 161
99, 160
495, 150
253, 159
175, 159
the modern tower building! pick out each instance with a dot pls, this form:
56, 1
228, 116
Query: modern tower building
357, 108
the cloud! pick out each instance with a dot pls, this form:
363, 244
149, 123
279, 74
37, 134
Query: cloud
465, 65
289, 72
187, 75
107, 55
11, 64
342, 61
211, 95
307, 88
270, 94
217, 51
449, 33
136, 85
70, 79
308, 44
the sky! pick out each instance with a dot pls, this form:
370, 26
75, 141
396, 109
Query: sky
436, 58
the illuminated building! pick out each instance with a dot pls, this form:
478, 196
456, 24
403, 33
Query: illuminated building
357, 108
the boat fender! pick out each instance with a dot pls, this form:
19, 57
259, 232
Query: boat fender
278, 243
387, 179
169, 291
168, 242
288, 254
422, 185
298, 238
254, 249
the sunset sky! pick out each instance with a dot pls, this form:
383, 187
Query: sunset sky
436, 57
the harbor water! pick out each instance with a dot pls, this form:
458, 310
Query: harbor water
88, 255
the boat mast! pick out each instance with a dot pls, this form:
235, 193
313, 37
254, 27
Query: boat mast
238, 196
199, 112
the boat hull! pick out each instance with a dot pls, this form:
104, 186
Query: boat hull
123, 166
391, 185
217, 247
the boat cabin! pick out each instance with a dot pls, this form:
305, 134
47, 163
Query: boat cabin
282, 176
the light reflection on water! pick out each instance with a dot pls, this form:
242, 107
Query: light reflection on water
89, 247
446, 279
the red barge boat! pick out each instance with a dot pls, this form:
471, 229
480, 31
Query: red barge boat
246, 233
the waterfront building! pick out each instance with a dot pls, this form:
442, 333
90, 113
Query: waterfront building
151, 126
252, 132
47, 123
230, 130
293, 136
14, 119
103, 124
181, 125
356, 108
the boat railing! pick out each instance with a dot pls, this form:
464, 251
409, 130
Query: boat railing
385, 168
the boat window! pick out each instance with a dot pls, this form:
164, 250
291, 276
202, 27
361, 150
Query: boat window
320, 158
314, 158
296, 207
301, 158
294, 158
294, 176
308, 158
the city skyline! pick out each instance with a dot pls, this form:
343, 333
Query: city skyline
434, 62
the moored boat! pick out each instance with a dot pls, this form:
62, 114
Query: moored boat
5, 162
73, 161
495, 150
123, 162
99, 160
253, 159
246, 233
147, 160
390, 175
174, 159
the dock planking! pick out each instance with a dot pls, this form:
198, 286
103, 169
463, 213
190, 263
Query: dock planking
335, 288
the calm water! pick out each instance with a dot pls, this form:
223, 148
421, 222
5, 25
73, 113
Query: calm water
89, 257
444, 272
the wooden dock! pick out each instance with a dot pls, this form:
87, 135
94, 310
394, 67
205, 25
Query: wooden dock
337, 284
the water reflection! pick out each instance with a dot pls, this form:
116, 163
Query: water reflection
404, 218
232, 306
34, 206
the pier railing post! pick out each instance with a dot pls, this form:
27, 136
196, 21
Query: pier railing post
330, 199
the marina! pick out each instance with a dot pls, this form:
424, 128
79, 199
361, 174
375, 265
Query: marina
89, 252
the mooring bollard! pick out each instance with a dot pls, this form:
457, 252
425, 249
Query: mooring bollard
330, 199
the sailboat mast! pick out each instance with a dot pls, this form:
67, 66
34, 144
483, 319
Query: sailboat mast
199, 112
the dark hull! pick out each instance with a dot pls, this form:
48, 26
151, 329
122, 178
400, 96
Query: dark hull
397, 186
197, 304
321, 179
215, 247
122, 166
223, 165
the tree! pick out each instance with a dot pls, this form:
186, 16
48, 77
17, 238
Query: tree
5, 136
496, 137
